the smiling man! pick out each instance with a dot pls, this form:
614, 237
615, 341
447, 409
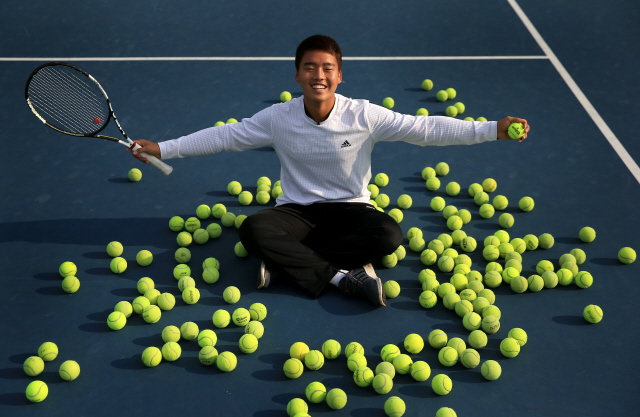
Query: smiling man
323, 230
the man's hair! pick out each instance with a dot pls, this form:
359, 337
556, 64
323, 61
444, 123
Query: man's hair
319, 43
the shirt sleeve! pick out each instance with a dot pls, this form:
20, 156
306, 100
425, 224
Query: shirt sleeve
389, 126
250, 133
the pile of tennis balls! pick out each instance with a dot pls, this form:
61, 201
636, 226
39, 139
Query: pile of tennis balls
37, 390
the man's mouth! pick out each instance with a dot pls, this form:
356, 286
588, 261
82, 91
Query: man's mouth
318, 87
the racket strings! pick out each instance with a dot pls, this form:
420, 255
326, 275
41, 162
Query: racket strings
62, 96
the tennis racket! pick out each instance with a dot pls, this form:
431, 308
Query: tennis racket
71, 101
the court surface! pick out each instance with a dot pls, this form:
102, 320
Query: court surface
65, 199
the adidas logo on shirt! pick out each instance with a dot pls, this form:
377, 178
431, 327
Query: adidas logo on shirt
345, 144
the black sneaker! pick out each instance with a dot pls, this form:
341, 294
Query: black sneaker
363, 283
264, 278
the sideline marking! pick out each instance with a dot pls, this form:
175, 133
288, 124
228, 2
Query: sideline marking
593, 113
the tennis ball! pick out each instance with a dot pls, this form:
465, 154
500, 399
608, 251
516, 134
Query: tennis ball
140, 303
389, 352
228, 219
151, 356
472, 321
185, 282
420, 371
489, 185
444, 289
441, 384
468, 244
581, 256
381, 180
506, 220
459, 106
37, 391
241, 317
546, 241
170, 334
245, 198
592, 313
208, 355
433, 183
550, 279
70, 284
565, 277
240, 251
519, 284
422, 112
255, 328
388, 103
116, 321
468, 294
184, 239
515, 131
214, 230
221, 318
626, 255
442, 95
458, 344
191, 295
314, 360
428, 299
211, 263
151, 314
436, 246
426, 274
502, 235
479, 304
382, 383
451, 111
509, 347
394, 407
391, 288
152, 295
584, 279
118, 265
442, 169
374, 190
454, 223
451, 93
474, 189
201, 236
134, 175
145, 284
285, 96
477, 339
491, 370
386, 368
316, 392
240, 220
363, 376
446, 411
450, 300
413, 343
396, 214
299, 350
535, 283
166, 301
203, 211
171, 351
400, 253
437, 339
448, 356
258, 311
144, 258
405, 201
470, 358
490, 324
465, 215
587, 234
490, 253
113, 249
226, 361
231, 121
519, 335
446, 264
481, 119
297, 406
417, 244
449, 211
263, 197
463, 307
526, 204
427, 84
33, 365
176, 223
486, 211
481, 198
355, 361
336, 399
353, 347
331, 349
428, 172
234, 188
210, 275
500, 202
382, 200
189, 330
531, 241
231, 295
276, 192
248, 343
192, 224
492, 279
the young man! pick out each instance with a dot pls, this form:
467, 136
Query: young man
323, 229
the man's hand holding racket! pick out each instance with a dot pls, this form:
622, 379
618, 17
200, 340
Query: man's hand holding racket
146, 147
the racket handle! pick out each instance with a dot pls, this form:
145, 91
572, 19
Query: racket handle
164, 168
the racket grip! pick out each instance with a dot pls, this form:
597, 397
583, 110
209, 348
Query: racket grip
164, 168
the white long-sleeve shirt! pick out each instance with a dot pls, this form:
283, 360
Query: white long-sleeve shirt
328, 161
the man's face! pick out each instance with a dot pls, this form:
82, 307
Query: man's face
319, 76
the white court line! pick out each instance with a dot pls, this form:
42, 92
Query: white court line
595, 116
263, 58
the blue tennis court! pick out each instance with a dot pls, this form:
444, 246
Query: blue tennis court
172, 68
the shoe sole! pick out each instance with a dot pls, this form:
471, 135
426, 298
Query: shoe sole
262, 281
368, 268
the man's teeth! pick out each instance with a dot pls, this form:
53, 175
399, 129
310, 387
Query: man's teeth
319, 87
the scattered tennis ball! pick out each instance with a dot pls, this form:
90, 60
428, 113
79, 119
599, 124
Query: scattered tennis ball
241, 317
315, 392
442, 169
245, 198
388, 102
565, 277
285, 96
394, 407
382, 200
116, 320
144, 258
240, 250
491, 370
453, 188
461, 107
226, 361
413, 343
314, 360
391, 288
191, 295
258, 311
433, 184
151, 314
474, 189
509, 347
134, 175
442, 95
470, 358
405, 201
489, 185
428, 299
293, 368
214, 230
587, 234
477, 339
472, 321
389, 352
422, 112
526, 204
584, 279
176, 223
535, 283
234, 188
231, 295
184, 239
239, 220
487, 211
203, 211
140, 303
166, 301
263, 197
626, 255
170, 334
451, 111
151, 356
248, 343
331, 349
446, 412
437, 339
70, 284
451, 93
441, 384
221, 318
481, 198
114, 249
386, 368
363, 376
396, 214
382, 383
374, 190
37, 391
228, 219
519, 335
400, 253
201, 236
592, 313
448, 356
33, 365
299, 350
118, 265
481, 119
336, 399
208, 355
427, 84
255, 328
152, 295
381, 180
515, 131
546, 241
192, 224
355, 361
181, 271
219, 123
69, 370
231, 121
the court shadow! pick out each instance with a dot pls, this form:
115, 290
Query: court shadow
218, 194
126, 292
284, 398
100, 271
95, 327
14, 398
570, 320
13, 373
272, 375
275, 359
48, 276
212, 301
418, 391
268, 413
364, 412
607, 261
21, 357
134, 362
334, 303
405, 305
147, 341
51, 291
415, 89
272, 101
469, 375
264, 149
96, 255
121, 180
569, 240
414, 179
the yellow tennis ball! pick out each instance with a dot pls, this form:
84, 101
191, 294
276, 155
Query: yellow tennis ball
70, 284
389, 352
145, 284
437, 339
140, 303
386, 368
626, 255
176, 223
477, 339
381, 180
184, 239
228, 219
509, 347
221, 319
353, 347
191, 295
414, 343
297, 406
151, 314
182, 255
382, 383
422, 112
245, 198
192, 224
166, 301
37, 391
314, 360
546, 241
118, 265
433, 183
241, 317
474, 189
218, 210
394, 407
240, 250
331, 349
506, 220
491, 370
258, 311
208, 355
203, 211
33, 365
116, 320
69, 370
336, 399
211, 263
189, 330
441, 384
144, 258
152, 295
442, 95
420, 371
451, 111
293, 368
185, 282
391, 288
472, 321
405, 201
299, 350
388, 102
515, 130
234, 188
592, 313
448, 356
231, 295
519, 335
316, 392
489, 185
114, 249
207, 338
214, 230
151, 356
134, 175
526, 204
481, 198
201, 236
231, 121
446, 411
248, 343
170, 334
263, 197
171, 351
255, 328
285, 96
427, 85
